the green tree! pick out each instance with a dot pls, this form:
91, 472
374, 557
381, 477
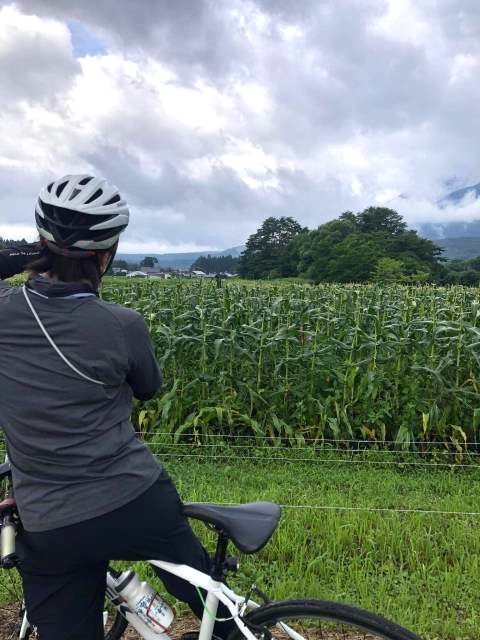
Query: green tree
352, 260
389, 270
349, 248
317, 249
380, 219
470, 278
121, 264
5, 243
266, 253
149, 262
215, 264
474, 263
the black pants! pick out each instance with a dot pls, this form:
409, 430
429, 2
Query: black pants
64, 570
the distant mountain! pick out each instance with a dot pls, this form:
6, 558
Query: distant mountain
179, 260
460, 248
457, 196
452, 229
455, 228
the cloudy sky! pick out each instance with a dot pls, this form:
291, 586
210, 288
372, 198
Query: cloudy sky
211, 115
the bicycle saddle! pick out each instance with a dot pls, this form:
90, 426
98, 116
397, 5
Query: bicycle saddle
249, 526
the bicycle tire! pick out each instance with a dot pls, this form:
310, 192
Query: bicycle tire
355, 623
118, 627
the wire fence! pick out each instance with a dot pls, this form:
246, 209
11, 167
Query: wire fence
224, 448
252, 453
165, 446
321, 507
319, 441
235, 457
312, 448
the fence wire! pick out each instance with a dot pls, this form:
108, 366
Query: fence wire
202, 457
410, 459
320, 507
258, 459
315, 449
263, 438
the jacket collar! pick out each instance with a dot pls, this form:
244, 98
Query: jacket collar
52, 288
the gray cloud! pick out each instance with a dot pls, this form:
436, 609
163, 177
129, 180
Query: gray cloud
36, 60
195, 36
331, 103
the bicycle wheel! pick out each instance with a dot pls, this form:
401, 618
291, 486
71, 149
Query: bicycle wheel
12, 610
320, 620
114, 623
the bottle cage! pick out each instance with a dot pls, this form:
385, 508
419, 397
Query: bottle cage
52, 343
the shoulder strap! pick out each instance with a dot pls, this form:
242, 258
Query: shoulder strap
48, 337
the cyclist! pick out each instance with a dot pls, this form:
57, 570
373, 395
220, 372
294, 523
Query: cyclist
88, 490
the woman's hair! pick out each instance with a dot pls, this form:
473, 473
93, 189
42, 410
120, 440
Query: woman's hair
68, 269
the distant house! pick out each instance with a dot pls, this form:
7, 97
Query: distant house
137, 274
198, 274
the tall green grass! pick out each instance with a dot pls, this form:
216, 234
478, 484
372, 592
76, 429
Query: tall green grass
298, 362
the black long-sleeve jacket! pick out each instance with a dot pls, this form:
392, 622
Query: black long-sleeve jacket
72, 447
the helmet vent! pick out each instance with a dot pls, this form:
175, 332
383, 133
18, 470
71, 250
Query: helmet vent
85, 180
115, 198
60, 188
49, 188
75, 193
93, 197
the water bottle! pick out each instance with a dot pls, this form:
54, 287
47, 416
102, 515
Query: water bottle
7, 542
143, 601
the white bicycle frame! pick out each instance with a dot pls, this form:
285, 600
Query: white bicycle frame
216, 592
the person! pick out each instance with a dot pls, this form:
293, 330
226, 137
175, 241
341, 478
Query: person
88, 490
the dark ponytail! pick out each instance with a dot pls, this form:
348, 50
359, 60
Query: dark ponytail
68, 269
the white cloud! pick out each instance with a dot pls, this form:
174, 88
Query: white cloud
18, 231
211, 117
36, 58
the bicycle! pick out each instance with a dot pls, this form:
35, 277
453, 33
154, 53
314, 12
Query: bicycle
248, 527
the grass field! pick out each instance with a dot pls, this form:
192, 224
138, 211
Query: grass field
420, 569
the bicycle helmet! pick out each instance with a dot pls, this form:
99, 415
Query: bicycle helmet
79, 214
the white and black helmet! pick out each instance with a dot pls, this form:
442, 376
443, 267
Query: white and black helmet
80, 212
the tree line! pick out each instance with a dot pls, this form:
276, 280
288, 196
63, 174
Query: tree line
216, 264
372, 245
5, 243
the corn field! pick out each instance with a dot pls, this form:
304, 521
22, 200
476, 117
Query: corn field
311, 363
